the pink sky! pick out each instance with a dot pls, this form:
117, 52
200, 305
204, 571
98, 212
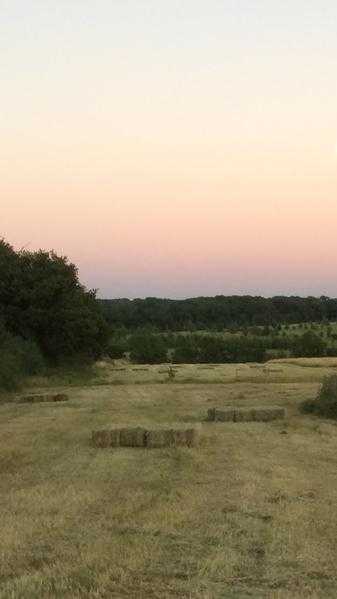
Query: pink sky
173, 157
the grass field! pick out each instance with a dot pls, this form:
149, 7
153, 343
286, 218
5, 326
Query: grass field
252, 512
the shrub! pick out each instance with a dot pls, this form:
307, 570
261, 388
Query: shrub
186, 350
18, 359
309, 344
326, 402
116, 348
148, 348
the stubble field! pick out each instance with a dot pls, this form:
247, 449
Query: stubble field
251, 512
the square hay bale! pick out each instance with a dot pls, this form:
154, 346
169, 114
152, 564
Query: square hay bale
43, 398
179, 436
224, 415
268, 413
132, 437
115, 437
60, 397
243, 415
101, 439
140, 437
186, 438
29, 399
159, 438
211, 414
263, 414
106, 438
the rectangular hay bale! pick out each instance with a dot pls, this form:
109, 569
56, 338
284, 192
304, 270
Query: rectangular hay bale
57, 397
224, 415
211, 414
132, 437
243, 415
173, 437
101, 439
258, 414
115, 437
29, 399
60, 397
267, 414
140, 437
159, 438
186, 438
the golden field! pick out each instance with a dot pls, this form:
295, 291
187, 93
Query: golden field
251, 512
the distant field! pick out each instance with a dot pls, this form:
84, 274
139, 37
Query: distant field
277, 371
249, 513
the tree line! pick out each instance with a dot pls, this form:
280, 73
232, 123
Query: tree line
217, 313
146, 347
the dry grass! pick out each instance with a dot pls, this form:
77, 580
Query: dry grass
295, 369
250, 512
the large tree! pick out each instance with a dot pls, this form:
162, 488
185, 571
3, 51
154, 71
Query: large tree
42, 299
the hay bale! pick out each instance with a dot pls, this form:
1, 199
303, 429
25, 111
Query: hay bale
43, 398
28, 399
132, 437
159, 438
60, 397
186, 438
243, 415
268, 413
224, 415
211, 414
263, 414
106, 438
115, 437
101, 439
173, 437
140, 437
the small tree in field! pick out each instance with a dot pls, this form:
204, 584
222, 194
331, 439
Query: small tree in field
147, 348
309, 344
326, 402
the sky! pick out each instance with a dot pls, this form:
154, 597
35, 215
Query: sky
173, 149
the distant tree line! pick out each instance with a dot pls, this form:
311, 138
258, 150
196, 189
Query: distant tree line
147, 347
46, 315
217, 313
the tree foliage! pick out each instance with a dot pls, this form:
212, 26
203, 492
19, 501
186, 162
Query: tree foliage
147, 348
42, 300
217, 313
326, 402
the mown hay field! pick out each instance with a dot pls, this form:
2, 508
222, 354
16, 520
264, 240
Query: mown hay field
274, 371
250, 512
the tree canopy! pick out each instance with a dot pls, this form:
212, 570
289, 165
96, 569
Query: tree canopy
217, 312
41, 299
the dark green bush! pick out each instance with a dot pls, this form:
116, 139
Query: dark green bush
325, 404
18, 359
116, 348
42, 299
148, 348
309, 344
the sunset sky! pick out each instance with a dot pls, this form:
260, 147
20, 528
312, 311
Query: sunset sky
173, 148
